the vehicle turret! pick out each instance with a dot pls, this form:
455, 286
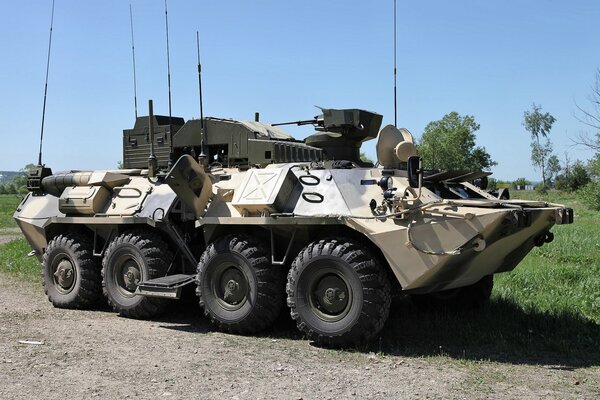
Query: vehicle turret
340, 133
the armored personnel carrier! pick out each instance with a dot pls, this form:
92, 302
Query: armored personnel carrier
257, 221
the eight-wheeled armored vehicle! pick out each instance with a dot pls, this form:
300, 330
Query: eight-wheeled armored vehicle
256, 219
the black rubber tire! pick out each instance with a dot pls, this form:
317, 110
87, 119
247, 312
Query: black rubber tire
149, 256
358, 272
468, 297
83, 289
258, 285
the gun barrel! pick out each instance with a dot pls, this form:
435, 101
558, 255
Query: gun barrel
302, 122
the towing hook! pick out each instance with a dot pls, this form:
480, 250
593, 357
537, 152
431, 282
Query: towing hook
545, 237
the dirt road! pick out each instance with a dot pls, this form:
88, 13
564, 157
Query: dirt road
87, 354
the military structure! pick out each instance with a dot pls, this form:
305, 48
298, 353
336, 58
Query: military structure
258, 221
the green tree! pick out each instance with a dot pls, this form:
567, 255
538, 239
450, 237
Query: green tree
449, 143
554, 168
579, 176
364, 158
594, 166
590, 194
19, 182
539, 124
520, 182
10, 188
540, 153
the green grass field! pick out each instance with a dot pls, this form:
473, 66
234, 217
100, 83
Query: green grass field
8, 205
564, 275
13, 258
546, 311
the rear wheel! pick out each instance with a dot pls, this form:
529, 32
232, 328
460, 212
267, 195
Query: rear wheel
239, 290
472, 296
131, 258
71, 274
338, 293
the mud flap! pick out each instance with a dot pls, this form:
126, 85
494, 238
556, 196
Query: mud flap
191, 184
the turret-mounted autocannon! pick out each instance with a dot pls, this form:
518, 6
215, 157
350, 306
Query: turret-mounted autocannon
340, 132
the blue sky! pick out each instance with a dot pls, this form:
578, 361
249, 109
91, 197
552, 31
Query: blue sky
490, 59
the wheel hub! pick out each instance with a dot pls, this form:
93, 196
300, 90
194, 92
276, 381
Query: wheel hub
233, 286
64, 275
331, 294
131, 276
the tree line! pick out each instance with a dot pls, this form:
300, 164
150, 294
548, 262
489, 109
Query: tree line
449, 144
18, 184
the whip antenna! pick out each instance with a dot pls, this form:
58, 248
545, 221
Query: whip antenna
46, 85
199, 80
395, 92
202, 156
133, 54
171, 155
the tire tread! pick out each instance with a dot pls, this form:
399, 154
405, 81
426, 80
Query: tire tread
270, 283
90, 289
375, 287
157, 255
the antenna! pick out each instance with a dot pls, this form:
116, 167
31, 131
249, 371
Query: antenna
169, 85
395, 91
152, 162
46, 86
199, 79
133, 54
201, 156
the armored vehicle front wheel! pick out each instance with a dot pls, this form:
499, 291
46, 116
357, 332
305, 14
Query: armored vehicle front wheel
239, 289
338, 292
133, 257
71, 274
472, 296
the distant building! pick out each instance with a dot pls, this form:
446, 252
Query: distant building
525, 187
